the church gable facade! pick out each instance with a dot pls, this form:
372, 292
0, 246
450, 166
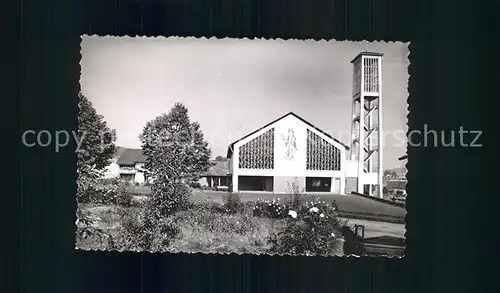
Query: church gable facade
288, 151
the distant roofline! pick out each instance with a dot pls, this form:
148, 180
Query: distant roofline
138, 158
230, 149
366, 54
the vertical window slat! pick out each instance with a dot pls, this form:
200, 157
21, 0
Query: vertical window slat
259, 152
321, 155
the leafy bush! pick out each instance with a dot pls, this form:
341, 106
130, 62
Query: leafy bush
272, 209
106, 194
232, 203
129, 237
312, 230
89, 194
87, 230
122, 197
173, 198
195, 185
152, 227
137, 232
109, 181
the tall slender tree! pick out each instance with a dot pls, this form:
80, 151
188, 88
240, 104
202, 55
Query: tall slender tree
96, 142
176, 153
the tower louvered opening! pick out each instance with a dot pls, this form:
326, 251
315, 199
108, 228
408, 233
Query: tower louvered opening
370, 70
258, 153
321, 155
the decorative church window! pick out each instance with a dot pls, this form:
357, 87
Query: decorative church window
321, 155
259, 152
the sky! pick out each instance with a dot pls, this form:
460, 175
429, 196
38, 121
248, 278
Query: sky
235, 86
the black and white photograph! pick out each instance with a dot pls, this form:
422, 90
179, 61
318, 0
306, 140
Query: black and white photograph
246, 146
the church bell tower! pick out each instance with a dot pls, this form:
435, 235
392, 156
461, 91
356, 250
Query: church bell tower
366, 126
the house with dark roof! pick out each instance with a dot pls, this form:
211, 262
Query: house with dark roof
113, 170
131, 164
127, 164
217, 175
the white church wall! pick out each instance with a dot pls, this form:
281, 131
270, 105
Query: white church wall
290, 155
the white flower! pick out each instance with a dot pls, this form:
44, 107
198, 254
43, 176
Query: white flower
322, 215
314, 210
292, 213
333, 234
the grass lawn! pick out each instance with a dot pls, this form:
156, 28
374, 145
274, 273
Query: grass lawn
347, 203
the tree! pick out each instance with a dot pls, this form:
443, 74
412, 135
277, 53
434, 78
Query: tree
96, 142
177, 155
94, 151
390, 174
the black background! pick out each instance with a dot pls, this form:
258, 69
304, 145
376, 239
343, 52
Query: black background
449, 238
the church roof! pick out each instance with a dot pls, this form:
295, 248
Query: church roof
231, 146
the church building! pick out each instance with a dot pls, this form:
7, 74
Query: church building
288, 150
291, 150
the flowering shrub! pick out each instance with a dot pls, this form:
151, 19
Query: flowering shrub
327, 209
312, 230
273, 209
